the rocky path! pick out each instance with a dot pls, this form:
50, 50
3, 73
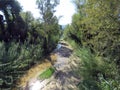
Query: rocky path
64, 77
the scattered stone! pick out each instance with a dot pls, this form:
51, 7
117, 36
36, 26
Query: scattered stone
63, 78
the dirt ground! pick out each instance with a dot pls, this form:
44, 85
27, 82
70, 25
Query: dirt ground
64, 77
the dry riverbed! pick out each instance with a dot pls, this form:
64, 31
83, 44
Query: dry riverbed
64, 77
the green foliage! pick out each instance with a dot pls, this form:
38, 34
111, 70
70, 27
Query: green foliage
109, 84
97, 73
49, 23
96, 32
25, 40
97, 25
15, 59
47, 73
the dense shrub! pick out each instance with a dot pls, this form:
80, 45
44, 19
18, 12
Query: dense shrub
97, 73
15, 59
95, 30
24, 40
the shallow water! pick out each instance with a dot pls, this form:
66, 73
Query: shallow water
58, 46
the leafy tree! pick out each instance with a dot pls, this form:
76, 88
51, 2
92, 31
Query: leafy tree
106, 27
99, 31
49, 23
96, 26
24, 39
15, 24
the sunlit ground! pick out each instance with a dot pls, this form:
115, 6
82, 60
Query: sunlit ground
36, 70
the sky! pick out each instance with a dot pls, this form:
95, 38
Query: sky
65, 9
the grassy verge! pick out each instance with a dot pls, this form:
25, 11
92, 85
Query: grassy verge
96, 72
47, 73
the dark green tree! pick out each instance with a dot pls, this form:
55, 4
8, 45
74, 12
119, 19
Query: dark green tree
49, 23
15, 24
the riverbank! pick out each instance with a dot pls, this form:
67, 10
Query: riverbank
34, 71
64, 77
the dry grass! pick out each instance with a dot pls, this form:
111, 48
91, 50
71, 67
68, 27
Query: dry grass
53, 58
36, 70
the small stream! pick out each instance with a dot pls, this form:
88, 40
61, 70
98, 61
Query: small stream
63, 54
59, 46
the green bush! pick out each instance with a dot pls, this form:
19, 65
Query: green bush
25, 39
108, 84
15, 59
95, 27
96, 72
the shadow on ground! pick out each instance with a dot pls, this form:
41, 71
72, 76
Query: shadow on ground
65, 44
67, 79
65, 52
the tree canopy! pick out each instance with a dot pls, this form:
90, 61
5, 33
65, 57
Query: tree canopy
95, 28
24, 40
